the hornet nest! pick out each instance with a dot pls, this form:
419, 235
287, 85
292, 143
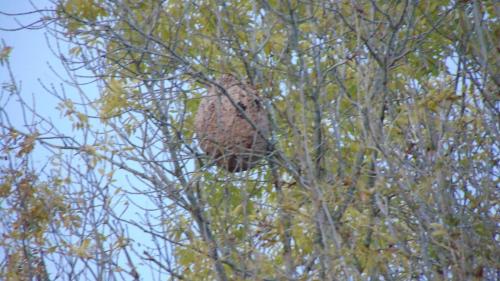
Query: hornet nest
228, 134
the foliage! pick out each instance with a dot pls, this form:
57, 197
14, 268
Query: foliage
384, 148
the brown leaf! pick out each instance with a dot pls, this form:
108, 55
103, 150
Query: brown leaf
28, 144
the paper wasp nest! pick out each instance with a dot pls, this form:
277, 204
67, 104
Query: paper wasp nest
224, 133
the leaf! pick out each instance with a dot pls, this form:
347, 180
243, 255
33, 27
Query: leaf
28, 144
438, 230
51, 249
238, 210
89, 149
114, 101
82, 250
186, 257
4, 54
5, 188
75, 51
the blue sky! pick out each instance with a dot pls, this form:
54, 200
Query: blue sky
30, 57
33, 63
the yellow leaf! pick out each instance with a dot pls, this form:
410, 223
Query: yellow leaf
82, 250
438, 230
5, 189
88, 149
236, 211
115, 100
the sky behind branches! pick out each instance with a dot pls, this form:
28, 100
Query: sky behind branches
31, 59
35, 65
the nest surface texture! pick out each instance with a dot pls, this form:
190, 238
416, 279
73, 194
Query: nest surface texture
223, 131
